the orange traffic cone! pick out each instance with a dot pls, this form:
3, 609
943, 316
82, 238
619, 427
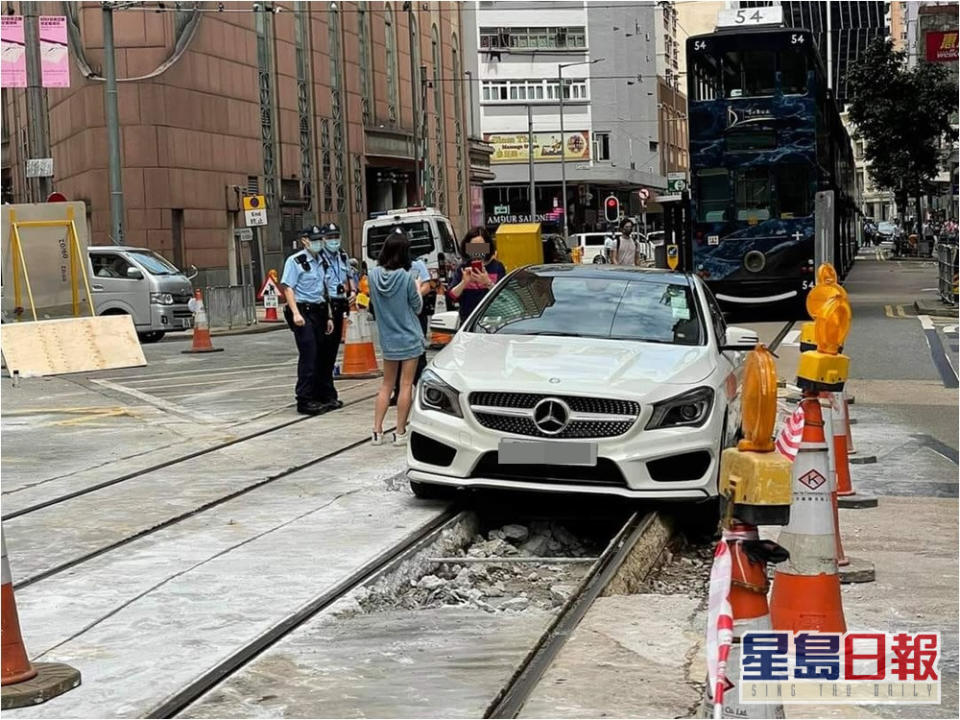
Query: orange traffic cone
201, 327
751, 613
847, 497
359, 355
25, 684
806, 588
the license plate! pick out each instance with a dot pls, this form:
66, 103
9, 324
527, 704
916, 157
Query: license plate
187, 323
544, 452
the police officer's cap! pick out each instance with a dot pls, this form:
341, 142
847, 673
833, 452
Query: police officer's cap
330, 229
313, 232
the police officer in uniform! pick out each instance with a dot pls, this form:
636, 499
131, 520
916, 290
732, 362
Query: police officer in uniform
309, 314
341, 290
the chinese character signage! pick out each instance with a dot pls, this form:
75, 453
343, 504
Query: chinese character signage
54, 52
855, 667
942, 46
546, 147
14, 62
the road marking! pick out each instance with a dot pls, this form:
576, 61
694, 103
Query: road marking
941, 361
791, 338
198, 383
198, 371
156, 401
160, 380
895, 312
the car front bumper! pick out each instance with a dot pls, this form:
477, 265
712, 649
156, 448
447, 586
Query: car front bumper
627, 465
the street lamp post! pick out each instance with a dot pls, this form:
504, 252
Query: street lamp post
563, 141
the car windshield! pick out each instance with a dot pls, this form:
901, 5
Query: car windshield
419, 232
647, 308
153, 263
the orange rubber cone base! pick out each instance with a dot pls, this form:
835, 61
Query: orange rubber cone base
201, 343
807, 602
51, 680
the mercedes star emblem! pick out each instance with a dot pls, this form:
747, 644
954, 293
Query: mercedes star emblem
551, 416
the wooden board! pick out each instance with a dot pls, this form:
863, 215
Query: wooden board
54, 347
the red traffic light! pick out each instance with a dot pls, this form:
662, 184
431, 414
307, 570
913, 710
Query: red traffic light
611, 209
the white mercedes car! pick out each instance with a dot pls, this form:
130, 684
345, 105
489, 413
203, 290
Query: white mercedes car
582, 378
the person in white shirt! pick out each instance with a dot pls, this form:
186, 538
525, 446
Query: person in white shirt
623, 248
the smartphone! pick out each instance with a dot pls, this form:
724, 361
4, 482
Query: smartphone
477, 265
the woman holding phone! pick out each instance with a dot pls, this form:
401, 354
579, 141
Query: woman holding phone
479, 271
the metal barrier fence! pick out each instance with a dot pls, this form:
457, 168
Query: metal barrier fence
947, 272
230, 306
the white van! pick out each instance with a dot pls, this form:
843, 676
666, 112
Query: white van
429, 230
142, 284
591, 246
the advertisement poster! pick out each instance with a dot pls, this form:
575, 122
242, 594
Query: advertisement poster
13, 68
942, 46
514, 148
54, 52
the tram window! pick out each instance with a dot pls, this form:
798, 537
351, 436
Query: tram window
749, 73
706, 78
714, 194
748, 140
793, 190
793, 73
753, 194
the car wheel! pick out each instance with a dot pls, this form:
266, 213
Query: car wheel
151, 337
429, 491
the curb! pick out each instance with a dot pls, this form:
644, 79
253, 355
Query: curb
227, 332
935, 308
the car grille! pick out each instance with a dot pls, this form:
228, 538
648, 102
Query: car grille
605, 472
179, 298
614, 417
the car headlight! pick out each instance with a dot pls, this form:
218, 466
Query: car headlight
690, 409
437, 395
161, 298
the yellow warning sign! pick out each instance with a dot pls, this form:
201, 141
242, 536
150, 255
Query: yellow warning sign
254, 202
673, 256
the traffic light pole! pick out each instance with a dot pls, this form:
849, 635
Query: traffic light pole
113, 126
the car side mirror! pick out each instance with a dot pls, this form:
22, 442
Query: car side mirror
193, 272
445, 322
134, 273
738, 338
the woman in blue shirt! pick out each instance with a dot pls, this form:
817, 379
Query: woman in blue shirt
479, 271
396, 295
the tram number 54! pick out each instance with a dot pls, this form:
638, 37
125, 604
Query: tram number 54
742, 17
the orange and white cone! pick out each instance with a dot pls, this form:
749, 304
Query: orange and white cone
359, 355
806, 587
25, 684
201, 327
16, 664
847, 497
748, 601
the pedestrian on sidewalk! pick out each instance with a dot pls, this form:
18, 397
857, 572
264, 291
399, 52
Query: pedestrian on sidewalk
479, 271
624, 249
397, 296
308, 313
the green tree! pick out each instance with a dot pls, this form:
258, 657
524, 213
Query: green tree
902, 114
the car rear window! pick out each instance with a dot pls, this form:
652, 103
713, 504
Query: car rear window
419, 232
648, 308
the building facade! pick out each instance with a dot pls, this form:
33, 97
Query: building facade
323, 108
671, 101
611, 137
872, 201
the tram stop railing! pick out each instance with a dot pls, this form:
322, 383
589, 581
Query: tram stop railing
947, 272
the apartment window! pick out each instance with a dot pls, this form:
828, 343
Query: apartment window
533, 38
523, 91
601, 146
654, 146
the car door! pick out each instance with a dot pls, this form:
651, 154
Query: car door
114, 289
730, 362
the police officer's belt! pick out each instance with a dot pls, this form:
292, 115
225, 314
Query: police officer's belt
311, 307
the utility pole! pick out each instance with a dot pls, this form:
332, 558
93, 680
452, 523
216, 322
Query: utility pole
829, 46
563, 157
414, 100
113, 126
38, 141
533, 197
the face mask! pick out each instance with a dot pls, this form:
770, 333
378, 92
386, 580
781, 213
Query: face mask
333, 245
316, 246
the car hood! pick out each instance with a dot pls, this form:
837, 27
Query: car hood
576, 366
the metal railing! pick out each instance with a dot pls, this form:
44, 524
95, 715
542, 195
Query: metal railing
230, 306
947, 272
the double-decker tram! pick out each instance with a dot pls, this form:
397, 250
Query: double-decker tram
765, 138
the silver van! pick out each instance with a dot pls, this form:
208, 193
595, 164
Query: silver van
140, 283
